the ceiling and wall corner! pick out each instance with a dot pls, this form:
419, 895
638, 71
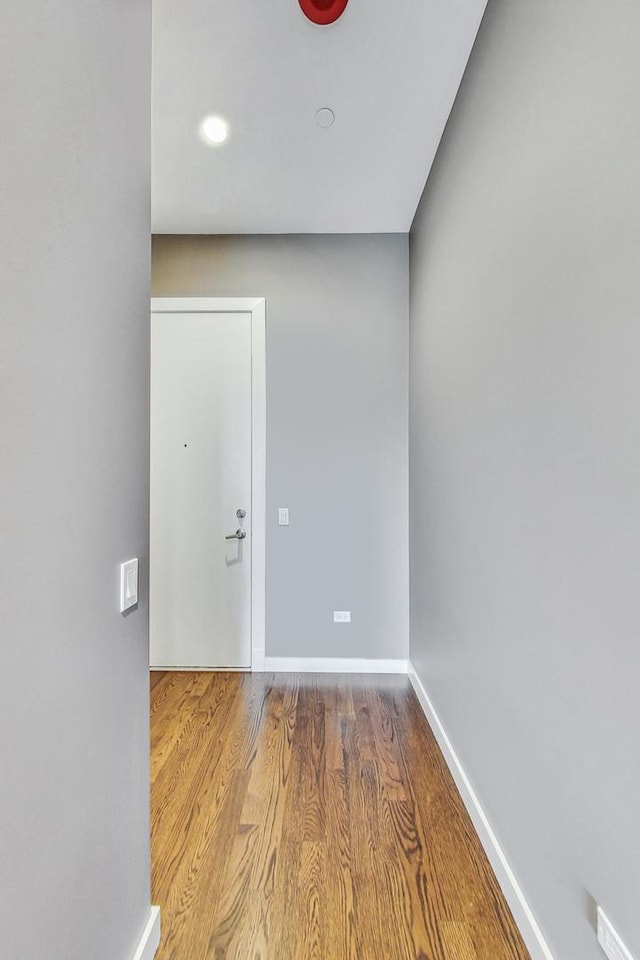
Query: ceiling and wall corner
388, 71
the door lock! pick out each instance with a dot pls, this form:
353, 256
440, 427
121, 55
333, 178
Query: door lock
240, 513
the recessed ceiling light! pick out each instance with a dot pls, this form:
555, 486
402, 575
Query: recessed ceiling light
214, 130
325, 117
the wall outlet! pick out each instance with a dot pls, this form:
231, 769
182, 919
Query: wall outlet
342, 616
128, 584
609, 940
283, 516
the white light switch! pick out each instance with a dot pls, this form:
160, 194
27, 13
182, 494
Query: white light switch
128, 584
342, 616
283, 516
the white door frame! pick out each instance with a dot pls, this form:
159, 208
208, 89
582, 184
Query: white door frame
256, 306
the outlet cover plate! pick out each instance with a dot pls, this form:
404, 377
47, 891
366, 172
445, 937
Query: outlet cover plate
610, 940
342, 616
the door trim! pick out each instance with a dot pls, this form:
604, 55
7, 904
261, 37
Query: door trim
256, 306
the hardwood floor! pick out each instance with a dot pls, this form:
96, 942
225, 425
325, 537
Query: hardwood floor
312, 817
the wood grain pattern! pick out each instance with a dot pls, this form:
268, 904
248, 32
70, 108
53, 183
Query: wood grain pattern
312, 817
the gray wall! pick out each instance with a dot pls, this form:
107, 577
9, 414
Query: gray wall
337, 426
525, 451
74, 283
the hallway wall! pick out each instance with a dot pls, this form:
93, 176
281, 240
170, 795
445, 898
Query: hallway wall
525, 451
74, 287
337, 426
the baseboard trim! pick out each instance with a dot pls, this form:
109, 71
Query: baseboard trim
154, 669
150, 939
522, 913
332, 665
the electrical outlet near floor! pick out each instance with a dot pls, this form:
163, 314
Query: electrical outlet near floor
609, 939
342, 616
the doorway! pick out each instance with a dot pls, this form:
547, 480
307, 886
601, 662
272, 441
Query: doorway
208, 453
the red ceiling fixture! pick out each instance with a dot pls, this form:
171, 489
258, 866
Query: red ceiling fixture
323, 11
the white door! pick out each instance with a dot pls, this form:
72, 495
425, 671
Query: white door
200, 582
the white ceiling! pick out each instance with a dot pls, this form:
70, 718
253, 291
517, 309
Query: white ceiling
389, 69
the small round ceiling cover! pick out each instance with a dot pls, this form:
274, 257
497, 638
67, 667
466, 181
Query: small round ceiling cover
323, 11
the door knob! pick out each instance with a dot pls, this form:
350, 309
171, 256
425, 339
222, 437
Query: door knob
238, 535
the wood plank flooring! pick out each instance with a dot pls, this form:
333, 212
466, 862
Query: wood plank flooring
312, 817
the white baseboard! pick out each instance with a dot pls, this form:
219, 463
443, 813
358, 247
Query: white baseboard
522, 913
150, 939
155, 669
332, 665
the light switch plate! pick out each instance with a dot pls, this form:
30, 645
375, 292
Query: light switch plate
128, 584
283, 516
609, 939
342, 616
